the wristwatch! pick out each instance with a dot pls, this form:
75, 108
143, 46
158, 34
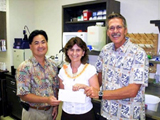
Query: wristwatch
100, 94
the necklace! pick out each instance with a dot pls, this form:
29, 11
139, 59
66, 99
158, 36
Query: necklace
75, 75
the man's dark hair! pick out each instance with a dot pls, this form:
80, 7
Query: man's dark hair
116, 15
35, 33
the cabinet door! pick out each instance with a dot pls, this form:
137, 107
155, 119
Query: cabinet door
3, 31
3, 101
3, 25
14, 103
11, 82
96, 108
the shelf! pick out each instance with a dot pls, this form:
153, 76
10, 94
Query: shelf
75, 10
75, 22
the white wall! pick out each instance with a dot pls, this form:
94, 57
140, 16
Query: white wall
46, 14
19, 14
138, 14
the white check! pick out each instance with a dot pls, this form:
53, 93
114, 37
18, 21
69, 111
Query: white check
71, 96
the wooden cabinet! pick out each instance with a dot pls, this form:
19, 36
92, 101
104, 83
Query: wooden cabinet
3, 30
3, 102
69, 12
97, 108
3, 25
13, 100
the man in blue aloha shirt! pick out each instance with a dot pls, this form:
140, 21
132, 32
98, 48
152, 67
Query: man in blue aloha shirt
123, 73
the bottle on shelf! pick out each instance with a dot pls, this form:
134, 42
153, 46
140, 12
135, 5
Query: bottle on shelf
56, 60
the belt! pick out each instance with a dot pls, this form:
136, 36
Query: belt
41, 108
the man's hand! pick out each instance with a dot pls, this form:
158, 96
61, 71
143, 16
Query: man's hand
92, 92
53, 101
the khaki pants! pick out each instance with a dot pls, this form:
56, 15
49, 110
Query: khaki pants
34, 114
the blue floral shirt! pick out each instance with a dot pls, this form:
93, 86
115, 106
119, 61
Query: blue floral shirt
126, 65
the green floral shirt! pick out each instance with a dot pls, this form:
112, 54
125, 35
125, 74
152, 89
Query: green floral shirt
32, 78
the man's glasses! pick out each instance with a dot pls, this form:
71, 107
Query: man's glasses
112, 28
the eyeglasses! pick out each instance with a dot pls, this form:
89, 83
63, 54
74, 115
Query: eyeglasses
112, 28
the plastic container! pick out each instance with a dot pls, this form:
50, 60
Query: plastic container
152, 102
96, 37
86, 14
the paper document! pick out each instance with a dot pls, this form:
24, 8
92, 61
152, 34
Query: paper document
71, 96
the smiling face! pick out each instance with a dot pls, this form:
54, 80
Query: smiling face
75, 53
116, 31
39, 46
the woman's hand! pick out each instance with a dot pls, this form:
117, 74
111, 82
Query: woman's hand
76, 87
55, 112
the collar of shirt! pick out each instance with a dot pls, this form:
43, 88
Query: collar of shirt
36, 63
124, 47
